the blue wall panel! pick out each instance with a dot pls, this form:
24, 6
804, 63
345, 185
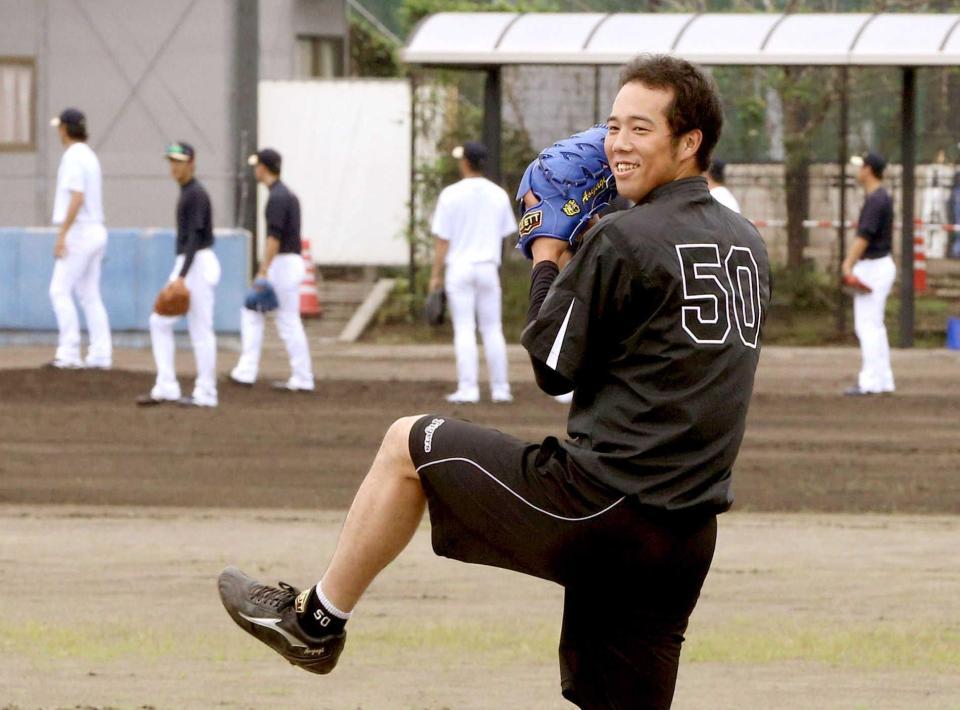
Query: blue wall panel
135, 267
9, 265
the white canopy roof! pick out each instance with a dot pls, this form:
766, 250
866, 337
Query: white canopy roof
497, 38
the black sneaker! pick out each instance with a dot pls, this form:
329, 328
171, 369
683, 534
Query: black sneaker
270, 614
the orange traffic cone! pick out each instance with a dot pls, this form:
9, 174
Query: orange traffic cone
309, 303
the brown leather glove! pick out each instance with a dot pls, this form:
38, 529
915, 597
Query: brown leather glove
853, 285
173, 300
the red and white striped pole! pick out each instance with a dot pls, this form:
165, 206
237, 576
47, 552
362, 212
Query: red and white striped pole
919, 256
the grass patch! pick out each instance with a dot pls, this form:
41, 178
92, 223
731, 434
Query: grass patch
452, 642
932, 648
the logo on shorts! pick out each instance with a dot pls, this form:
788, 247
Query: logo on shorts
530, 221
428, 435
571, 208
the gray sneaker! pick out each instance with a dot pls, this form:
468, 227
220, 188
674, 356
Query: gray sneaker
270, 614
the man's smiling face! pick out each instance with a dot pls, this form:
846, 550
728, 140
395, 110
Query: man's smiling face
640, 146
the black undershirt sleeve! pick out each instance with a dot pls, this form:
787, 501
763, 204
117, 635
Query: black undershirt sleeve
196, 211
543, 276
189, 250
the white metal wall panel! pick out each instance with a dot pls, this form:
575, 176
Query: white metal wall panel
732, 38
563, 35
713, 38
905, 39
951, 47
623, 36
814, 38
346, 153
457, 37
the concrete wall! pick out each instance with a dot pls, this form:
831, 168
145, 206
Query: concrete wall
136, 266
145, 73
282, 22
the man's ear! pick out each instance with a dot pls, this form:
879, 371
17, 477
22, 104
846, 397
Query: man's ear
690, 143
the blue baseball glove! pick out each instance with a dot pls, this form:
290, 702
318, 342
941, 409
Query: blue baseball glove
572, 181
261, 297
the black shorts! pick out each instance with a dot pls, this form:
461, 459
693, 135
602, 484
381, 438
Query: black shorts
632, 574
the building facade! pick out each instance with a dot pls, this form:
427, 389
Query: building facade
146, 73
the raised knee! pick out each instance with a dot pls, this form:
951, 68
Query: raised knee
396, 442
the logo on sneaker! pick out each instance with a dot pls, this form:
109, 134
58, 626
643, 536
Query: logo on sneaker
428, 434
272, 624
300, 605
322, 618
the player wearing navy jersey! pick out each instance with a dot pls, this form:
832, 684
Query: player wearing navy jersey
870, 261
196, 267
283, 267
655, 323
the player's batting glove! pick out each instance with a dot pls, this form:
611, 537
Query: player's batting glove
173, 299
261, 297
572, 181
854, 285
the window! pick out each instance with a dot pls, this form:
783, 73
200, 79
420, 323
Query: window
17, 110
319, 57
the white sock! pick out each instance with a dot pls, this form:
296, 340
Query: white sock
329, 606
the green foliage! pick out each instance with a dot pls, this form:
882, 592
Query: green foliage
371, 54
803, 289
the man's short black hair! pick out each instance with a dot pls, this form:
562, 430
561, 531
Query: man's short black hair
695, 105
475, 154
717, 171
76, 131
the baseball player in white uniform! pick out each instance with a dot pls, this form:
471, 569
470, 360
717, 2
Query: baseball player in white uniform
196, 267
716, 182
472, 218
283, 267
81, 243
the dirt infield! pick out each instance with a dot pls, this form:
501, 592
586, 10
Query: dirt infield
114, 522
117, 608
76, 437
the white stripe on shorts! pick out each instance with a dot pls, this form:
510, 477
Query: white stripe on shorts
513, 492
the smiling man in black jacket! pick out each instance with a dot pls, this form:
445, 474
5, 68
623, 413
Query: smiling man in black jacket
655, 324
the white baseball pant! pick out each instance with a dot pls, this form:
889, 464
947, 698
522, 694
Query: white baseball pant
473, 293
868, 311
78, 272
201, 281
285, 274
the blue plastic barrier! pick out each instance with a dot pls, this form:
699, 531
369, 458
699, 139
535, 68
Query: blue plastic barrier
953, 333
136, 266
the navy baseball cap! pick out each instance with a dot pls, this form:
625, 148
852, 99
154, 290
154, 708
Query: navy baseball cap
717, 169
179, 150
268, 158
874, 161
475, 153
70, 116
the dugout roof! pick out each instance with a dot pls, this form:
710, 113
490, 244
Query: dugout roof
835, 39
